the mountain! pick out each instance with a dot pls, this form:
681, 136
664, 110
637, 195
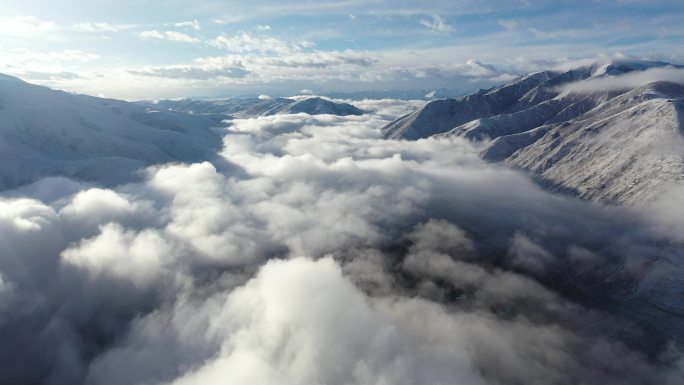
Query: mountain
44, 132
520, 95
319, 106
253, 107
442, 115
422, 94
620, 146
624, 151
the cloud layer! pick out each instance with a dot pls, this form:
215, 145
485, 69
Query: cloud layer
628, 81
317, 252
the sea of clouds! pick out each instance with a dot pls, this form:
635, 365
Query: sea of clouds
316, 252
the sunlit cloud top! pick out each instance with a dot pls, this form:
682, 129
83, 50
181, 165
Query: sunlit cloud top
173, 48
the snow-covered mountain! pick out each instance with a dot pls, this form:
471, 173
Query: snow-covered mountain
623, 151
253, 107
420, 94
44, 132
606, 143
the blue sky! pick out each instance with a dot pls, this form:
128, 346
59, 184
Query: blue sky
173, 48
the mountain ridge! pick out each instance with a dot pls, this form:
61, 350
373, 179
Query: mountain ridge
533, 123
47, 132
523, 92
254, 107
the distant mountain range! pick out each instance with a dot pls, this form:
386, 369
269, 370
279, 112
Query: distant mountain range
609, 142
425, 94
252, 107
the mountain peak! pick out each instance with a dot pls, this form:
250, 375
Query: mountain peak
253, 107
318, 105
664, 89
621, 66
9, 78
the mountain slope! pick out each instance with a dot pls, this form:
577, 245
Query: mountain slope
45, 132
528, 91
253, 107
609, 145
625, 151
443, 115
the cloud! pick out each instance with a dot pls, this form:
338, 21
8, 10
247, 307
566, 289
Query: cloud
313, 251
246, 43
168, 35
193, 24
469, 71
125, 255
438, 24
364, 8
268, 336
329, 67
102, 27
24, 26
314, 65
387, 109
266, 333
193, 73
52, 56
627, 81
509, 24
475, 68
46, 66
41, 75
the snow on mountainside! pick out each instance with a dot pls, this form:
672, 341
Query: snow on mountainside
442, 115
527, 91
624, 151
420, 94
44, 132
612, 145
253, 107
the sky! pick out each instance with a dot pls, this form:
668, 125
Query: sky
144, 49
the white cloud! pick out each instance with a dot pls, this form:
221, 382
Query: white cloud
46, 66
27, 57
269, 337
89, 209
197, 271
627, 81
152, 34
318, 66
120, 254
168, 35
25, 26
437, 23
193, 24
247, 43
195, 72
315, 65
102, 27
